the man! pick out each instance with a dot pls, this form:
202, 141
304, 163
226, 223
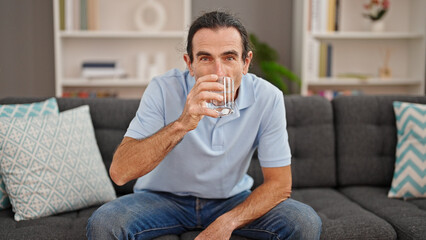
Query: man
191, 165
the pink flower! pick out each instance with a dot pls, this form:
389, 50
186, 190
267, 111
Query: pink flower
385, 4
376, 9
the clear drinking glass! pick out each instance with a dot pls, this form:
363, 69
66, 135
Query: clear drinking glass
227, 106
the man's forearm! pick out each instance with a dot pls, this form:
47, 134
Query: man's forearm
135, 158
260, 201
275, 189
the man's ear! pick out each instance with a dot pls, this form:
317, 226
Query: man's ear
187, 60
247, 62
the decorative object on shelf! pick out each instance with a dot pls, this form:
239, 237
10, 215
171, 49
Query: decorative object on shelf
158, 65
266, 66
359, 76
142, 67
150, 65
375, 11
150, 16
385, 72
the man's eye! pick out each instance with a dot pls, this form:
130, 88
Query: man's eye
204, 59
230, 58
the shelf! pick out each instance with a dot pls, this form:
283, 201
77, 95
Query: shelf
367, 82
122, 82
366, 35
121, 34
353, 48
119, 38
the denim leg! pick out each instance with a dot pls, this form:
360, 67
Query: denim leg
288, 220
142, 215
211, 209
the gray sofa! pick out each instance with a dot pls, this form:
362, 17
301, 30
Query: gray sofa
343, 161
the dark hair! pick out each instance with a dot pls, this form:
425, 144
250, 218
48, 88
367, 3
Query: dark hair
215, 20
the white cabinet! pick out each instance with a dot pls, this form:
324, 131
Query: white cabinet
357, 53
123, 31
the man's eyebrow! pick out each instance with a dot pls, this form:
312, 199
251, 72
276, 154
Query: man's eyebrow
231, 52
202, 53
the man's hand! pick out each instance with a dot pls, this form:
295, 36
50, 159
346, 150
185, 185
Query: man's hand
275, 188
218, 229
195, 106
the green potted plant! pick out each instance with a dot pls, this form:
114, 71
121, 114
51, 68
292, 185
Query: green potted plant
266, 66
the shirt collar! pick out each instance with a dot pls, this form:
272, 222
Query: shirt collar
246, 92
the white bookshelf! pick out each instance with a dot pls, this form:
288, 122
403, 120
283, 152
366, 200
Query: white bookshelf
358, 50
106, 82
118, 38
329, 36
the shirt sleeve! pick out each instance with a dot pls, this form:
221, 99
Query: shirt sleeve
150, 114
274, 149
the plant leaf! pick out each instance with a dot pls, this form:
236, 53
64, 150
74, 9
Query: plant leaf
266, 59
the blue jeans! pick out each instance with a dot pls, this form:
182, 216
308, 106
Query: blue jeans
147, 215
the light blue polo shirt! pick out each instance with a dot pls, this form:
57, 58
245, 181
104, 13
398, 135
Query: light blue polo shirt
212, 160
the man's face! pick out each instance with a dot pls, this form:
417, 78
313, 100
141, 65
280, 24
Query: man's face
218, 51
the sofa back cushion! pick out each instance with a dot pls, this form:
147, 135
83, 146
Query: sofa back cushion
311, 137
366, 138
309, 125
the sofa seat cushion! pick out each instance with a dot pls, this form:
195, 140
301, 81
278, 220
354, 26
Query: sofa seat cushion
69, 225
407, 217
342, 218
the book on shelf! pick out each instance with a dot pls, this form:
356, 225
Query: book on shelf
62, 14
324, 18
99, 64
329, 58
325, 60
337, 16
101, 70
78, 14
318, 15
313, 58
322, 61
102, 73
331, 15
83, 14
324, 15
92, 14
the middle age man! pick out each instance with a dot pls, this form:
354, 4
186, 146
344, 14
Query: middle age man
192, 165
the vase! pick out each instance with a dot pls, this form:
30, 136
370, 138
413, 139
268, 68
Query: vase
377, 26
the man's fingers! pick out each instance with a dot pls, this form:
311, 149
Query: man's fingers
208, 78
210, 112
210, 86
202, 110
209, 96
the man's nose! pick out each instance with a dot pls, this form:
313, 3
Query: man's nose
219, 68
